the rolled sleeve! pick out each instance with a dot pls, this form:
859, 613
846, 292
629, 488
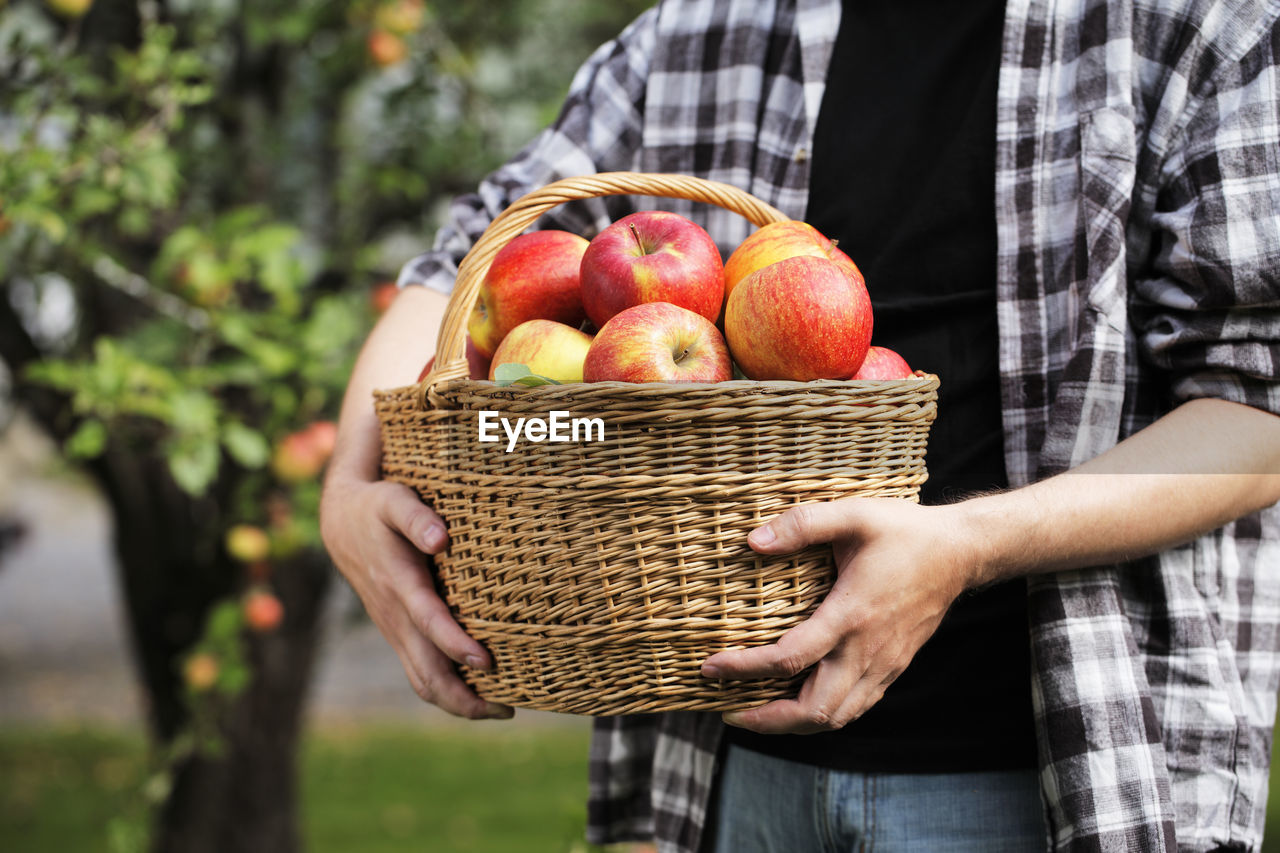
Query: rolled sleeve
1211, 314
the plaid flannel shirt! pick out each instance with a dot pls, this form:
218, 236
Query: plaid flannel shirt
1138, 220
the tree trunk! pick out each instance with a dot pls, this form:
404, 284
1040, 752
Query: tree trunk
172, 568
245, 801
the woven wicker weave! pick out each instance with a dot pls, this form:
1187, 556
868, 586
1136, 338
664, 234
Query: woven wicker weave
600, 574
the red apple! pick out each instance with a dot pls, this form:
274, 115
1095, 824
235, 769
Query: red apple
477, 364
324, 438
802, 318
658, 342
302, 455
534, 277
652, 256
386, 49
883, 363
778, 241
547, 348
262, 611
382, 295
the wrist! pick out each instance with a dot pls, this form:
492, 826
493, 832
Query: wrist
984, 533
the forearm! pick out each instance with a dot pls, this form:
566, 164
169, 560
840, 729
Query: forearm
393, 356
1199, 467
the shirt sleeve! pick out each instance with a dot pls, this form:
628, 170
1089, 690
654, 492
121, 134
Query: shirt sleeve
1211, 314
598, 130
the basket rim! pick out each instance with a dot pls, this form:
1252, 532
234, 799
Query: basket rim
921, 382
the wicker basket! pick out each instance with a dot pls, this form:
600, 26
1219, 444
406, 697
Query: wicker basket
600, 574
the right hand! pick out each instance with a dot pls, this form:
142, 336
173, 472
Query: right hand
377, 533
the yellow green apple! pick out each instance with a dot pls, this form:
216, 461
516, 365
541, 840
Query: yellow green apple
547, 348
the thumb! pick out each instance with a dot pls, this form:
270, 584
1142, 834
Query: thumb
807, 524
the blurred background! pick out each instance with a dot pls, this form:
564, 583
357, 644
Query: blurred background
202, 204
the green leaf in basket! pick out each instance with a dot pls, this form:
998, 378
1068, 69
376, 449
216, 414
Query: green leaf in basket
519, 374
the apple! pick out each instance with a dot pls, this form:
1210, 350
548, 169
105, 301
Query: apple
262, 611
883, 363
547, 348
324, 438
386, 49
778, 241
534, 277
303, 454
658, 342
68, 8
477, 364
382, 295
652, 256
801, 318
400, 17
248, 543
200, 671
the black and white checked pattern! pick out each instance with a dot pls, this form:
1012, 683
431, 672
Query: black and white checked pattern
1138, 220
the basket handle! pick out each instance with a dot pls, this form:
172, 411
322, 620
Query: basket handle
451, 358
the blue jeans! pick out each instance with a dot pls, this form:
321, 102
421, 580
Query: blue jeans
769, 805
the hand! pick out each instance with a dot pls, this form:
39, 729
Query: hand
899, 566
377, 533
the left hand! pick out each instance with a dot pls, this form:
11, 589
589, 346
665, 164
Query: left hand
899, 566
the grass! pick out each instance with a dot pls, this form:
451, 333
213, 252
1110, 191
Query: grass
372, 789
375, 790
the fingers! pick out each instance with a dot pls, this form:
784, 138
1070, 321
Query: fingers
838, 616
807, 524
797, 650
435, 681
831, 698
401, 509
378, 533
430, 617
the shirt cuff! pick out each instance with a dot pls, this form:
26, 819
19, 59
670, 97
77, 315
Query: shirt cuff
428, 271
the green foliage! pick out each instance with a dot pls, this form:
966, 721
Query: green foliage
217, 185
196, 199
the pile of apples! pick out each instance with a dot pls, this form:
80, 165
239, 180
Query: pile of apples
655, 292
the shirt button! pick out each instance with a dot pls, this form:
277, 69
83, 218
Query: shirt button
802, 154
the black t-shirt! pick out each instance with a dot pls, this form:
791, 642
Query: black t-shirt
904, 179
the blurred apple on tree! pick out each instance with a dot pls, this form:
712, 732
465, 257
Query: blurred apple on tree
248, 543
69, 8
386, 49
262, 610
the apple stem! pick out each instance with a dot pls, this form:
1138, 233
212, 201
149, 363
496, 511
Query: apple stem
636, 233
